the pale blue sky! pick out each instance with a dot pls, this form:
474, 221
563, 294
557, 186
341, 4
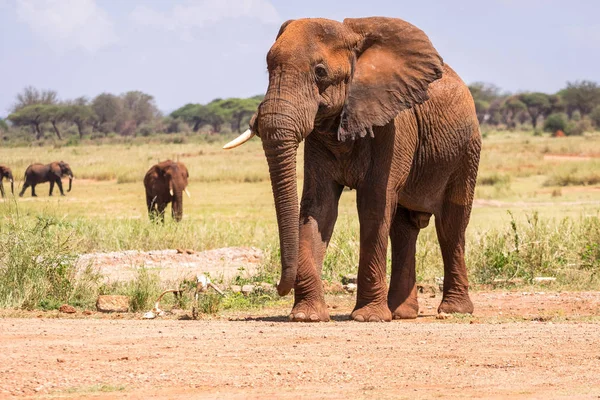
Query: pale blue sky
183, 51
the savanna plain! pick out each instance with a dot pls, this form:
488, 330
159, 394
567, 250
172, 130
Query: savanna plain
533, 255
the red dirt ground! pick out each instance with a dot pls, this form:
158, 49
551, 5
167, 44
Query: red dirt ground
517, 345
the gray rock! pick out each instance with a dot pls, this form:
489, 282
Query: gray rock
235, 288
247, 289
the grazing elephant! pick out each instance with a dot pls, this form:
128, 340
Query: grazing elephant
165, 182
53, 172
380, 113
5, 172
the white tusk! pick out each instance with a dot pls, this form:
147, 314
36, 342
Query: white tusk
171, 192
188, 193
238, 141
10, 180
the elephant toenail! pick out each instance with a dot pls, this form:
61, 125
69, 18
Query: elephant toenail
314, 317
359, 318
300, 316
374, 318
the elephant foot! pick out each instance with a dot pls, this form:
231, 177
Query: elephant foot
407, 310
309, 311
34, 195
456, 304
372, 312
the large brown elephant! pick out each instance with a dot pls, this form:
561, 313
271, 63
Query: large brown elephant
53, 173
380, 113
6, 172
165, 182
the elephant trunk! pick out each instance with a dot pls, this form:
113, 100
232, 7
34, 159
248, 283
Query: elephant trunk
70, 182
12, 183
177, 204
281, 157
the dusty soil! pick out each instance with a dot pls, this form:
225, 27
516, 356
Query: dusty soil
172, 265
517, 345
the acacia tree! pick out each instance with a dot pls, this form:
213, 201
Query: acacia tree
33, 115
537, 104
511, 107
3, 126
55, 114
80, 115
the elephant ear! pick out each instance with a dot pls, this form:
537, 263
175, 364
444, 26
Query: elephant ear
395, 63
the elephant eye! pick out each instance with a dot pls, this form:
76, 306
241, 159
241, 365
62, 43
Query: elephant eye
320, 71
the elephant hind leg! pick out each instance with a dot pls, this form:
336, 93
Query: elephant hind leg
402, 295
1, 188
51, 188
25, 186
33, 191
451, 224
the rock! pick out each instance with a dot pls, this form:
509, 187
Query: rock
427, 289
180, 251
443, 315
349, 278
247, 289
332, 287
235, 288
188, 251
107, 303
67, 309
266, 287
87, 312
544, 279
350, 288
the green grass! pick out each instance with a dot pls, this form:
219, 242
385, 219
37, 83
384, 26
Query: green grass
552, 229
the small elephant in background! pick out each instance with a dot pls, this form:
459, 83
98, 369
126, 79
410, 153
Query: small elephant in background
165, 182
6, 172
53, 173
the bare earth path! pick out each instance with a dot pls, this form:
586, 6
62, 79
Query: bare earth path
518, 345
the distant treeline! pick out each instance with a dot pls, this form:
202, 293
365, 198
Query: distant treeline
36, 113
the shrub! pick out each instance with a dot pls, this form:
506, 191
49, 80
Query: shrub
555, 122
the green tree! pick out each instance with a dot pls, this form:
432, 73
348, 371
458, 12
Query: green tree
80, 115
582, 96
537, 104
138, 108
108, 109
55, 114
3, 126
511, 108
595, 116
33, 115
236, 110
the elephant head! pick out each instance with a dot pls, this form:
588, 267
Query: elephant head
176, 175
337, 78
6, 172
65, 170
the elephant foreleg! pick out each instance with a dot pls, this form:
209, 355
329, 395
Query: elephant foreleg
2, 188
375, 212
51, 188
59, 184
402, 295
318, 214
33, 191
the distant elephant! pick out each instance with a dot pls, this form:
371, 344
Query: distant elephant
53, 173
380, 113
165, 182
5, 172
